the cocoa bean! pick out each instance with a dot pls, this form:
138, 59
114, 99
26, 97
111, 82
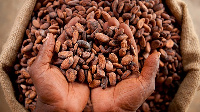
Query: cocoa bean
76, 59
127, 59
101, 37
140, 23
84, 44
67, 63
104, 82
126, 74
112, 78
75, 36
71, 75
89, 76
100, 71
81, 75
65, 54
95, 83
170, 43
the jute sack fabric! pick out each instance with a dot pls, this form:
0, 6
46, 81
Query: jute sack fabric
9, 53
189, 46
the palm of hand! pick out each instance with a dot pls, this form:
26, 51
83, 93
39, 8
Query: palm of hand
130, 93
127, 95
52, 87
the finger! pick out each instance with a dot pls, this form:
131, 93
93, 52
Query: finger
150, 67
129, 33
113, 22
45, 54
148, 74
131, 41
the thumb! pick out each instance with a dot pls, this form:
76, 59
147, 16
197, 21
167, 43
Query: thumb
44, 56
148, 74
46, 53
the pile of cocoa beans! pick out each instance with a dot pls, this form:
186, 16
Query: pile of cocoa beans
92, 48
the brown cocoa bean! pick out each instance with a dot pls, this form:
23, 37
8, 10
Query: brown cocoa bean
76, 59
155, 44
94, 67
112, 78
145, 107
105, 15
75, 36
71, 75
52, 14
86, 55
113, 58
122, 37
84, 44
32, 95
95, 83
100, 71
36, 23
81, 75
109, 66
170, 43
117, 65
67, 63
101, 37
89, 76
140, 23
85, 67
126, 59
104, 82
122, 52
126, 74
65, 54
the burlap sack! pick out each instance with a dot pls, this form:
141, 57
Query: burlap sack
190, 51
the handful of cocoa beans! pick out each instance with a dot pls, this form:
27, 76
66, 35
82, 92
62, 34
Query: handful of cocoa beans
92, 48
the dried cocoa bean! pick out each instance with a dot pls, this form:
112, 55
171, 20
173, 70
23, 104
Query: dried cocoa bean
75, 36
140, 23
67, 63
104, 83
76, 59
170, 43
100, 71
89, 77
71, 75
101, 37
65, 54
127, 59
113, 58
126, 74
112, 78
83, 43
95, 83
102, 61
81, 75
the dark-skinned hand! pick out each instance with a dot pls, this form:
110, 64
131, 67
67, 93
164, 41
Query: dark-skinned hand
53, 90
129, 94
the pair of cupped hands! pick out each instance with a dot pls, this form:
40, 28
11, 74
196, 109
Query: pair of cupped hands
56, 94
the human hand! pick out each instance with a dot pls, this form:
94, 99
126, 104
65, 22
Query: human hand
54, 92
129, 94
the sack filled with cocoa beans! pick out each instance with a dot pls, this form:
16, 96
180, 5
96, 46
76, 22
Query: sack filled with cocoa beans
94, 45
